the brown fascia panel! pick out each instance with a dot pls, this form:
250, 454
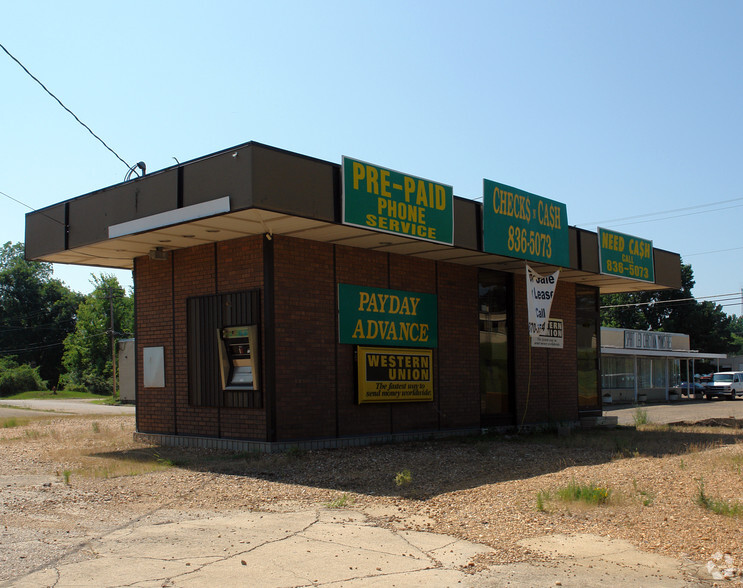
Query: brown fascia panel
45, 231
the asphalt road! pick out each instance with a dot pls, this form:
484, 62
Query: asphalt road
681, 410
689, 410
37, 408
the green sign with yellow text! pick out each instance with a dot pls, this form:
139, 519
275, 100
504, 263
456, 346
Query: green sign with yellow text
523, 225
626, 256
376, 316
386, 200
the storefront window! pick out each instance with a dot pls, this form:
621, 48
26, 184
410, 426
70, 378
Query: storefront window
618, 373
659, 372
675, 368
587, 333
644, 372
496, 404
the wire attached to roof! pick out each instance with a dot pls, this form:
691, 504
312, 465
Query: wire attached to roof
63, 106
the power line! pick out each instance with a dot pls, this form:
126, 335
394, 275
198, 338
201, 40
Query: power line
31, 208
63, 106
697, 207
719, 298
716, 251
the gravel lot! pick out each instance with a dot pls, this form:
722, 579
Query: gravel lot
65, 480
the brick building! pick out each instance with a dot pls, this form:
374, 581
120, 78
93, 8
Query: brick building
268, 315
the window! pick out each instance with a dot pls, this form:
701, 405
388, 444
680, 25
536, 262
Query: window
587, 334
207, 317
618, 373
496, 404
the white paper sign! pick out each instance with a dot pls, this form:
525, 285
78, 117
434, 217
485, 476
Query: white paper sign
552, 337
540, 290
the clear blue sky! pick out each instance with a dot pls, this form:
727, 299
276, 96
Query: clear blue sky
617, 109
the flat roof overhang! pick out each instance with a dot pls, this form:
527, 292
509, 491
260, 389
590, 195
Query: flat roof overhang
667, 353
253, 190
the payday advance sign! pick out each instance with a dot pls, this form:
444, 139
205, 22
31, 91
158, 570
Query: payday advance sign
387, 374
523, 225
386, 200
376, 316
626, 256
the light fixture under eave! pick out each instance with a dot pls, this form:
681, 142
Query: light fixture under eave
158, 254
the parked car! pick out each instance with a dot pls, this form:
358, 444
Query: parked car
726, 384
689, 388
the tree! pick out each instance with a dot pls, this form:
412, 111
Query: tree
87, 350
736, 327
675, 311
37, 312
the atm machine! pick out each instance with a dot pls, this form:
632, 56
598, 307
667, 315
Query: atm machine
238, 357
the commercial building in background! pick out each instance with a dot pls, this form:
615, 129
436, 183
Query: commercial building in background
281, 299
648, 366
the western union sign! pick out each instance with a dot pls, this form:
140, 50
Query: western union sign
386, 200
376, 316
395, 375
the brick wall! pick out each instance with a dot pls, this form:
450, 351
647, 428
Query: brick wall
153, 293
305, 335
240, 267
315, 388
551, 394
162, 288
459, 347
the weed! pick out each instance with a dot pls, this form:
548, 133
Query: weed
542, 497
163, 461
647, 498
590, 493
340, 502
721, 507
403, 478
640, 417
66, 475
96, 427
623, 451
295, 452
10, 423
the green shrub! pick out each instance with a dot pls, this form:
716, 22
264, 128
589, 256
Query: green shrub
403, 478
640, 417
89, 382
589, 493
20, 378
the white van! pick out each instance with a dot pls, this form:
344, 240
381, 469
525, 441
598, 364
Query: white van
728, 384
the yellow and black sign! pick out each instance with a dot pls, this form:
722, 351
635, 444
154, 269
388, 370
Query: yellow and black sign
395, 375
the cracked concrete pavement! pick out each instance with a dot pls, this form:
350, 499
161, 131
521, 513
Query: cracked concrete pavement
335, 547
321, 547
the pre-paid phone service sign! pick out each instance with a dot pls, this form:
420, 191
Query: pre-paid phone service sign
523, 225
382, 199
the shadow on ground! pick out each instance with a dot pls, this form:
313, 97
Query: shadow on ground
443, 466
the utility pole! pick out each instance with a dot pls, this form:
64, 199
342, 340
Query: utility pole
113, 339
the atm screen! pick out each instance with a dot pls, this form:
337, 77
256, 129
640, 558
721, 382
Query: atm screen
237, 356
